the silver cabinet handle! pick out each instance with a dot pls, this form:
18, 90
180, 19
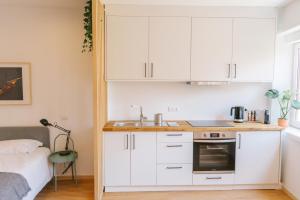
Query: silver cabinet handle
145, 70
171, 146
215, 141
229, 71
126, 142
178, 135
240, 141
234, 70
213, 178
133, 142
174, 167
152, 66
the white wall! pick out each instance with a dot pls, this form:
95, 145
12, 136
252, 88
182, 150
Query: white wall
289, 22
291, 162
194, 102
283, 71
50, 38
289, 16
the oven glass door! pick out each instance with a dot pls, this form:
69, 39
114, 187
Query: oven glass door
214, 156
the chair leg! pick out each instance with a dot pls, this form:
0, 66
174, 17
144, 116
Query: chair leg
73, 178
55, 178
75, 172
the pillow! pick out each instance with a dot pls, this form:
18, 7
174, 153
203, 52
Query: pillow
19, 146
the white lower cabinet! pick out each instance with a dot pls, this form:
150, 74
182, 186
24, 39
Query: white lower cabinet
213, 179
174, 174
178, 152
175, 158
129, 158
116, 159
143, 159
166, 159
168, 137
258, 157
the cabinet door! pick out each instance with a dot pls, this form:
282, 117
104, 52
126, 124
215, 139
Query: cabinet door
169, 48
258, 158
126, 47
253, 50
143, 158
174, 174
211, 49
117, 159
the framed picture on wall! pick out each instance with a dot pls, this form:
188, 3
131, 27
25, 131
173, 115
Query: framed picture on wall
15, 83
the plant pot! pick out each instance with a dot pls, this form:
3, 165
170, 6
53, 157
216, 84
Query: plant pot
283, 122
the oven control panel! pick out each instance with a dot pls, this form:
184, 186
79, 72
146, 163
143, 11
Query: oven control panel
214, 135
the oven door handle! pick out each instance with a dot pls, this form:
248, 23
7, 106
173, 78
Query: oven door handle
215, 141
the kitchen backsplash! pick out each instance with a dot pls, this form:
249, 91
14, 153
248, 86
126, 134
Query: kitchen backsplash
180, 101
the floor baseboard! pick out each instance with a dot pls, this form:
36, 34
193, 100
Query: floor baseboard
287, 192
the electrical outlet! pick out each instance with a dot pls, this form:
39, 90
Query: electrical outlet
173, 109
133, 107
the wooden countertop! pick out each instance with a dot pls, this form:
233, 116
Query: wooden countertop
184, 126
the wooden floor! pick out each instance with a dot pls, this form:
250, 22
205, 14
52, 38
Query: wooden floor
201, 195
67, 190
84, 191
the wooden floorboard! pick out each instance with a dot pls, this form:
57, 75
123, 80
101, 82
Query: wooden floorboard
84, 191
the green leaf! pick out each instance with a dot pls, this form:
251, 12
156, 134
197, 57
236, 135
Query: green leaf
296, 104
272, 94
286, 95
87, 25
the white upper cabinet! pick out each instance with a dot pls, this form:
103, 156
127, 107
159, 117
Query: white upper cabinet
143, 158
148, 48
253, 50
211, 49
258, 158
169, 48
126, 47
190, 49
241, 50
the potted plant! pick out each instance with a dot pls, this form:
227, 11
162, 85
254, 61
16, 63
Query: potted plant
285, 102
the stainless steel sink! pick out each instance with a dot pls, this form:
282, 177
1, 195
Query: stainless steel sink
138, 124
123, 124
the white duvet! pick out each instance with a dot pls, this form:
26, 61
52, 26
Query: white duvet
33, 166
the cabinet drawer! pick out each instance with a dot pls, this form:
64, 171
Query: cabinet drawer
174, 174
175, 152
213, 179
174, 137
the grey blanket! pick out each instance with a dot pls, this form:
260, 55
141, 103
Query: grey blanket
13, 186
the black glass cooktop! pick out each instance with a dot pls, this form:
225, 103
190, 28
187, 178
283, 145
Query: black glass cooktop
209, 123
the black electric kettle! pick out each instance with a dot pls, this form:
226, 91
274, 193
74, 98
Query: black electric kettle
238, 113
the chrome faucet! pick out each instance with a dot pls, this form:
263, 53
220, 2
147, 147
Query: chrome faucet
142, 117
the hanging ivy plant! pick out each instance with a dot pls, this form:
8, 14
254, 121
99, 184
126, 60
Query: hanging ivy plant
88, 35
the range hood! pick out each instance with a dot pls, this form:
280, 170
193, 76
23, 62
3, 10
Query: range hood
208, 83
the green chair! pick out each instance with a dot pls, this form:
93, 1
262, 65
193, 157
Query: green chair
67, 157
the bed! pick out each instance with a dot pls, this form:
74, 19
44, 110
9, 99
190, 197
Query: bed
34, 166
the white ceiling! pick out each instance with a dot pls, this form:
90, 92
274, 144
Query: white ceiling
271, 3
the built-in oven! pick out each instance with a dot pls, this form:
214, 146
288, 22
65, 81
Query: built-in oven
214, 152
